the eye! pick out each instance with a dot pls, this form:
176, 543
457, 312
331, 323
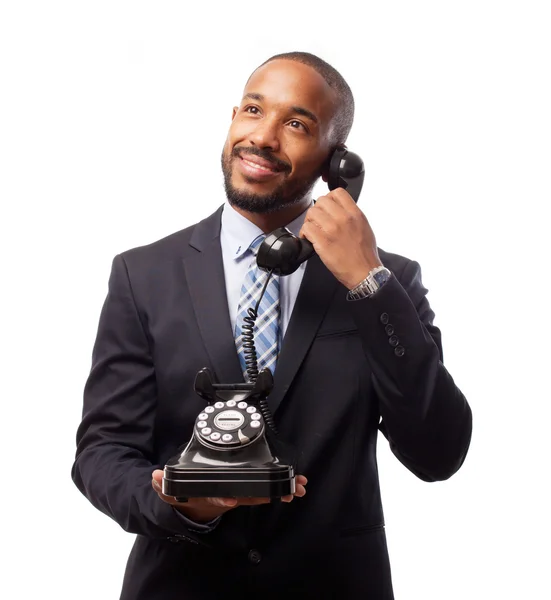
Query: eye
253, 110
297, 125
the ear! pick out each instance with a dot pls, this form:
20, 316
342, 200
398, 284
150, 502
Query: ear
234, 112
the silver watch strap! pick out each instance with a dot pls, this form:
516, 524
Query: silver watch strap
370, 284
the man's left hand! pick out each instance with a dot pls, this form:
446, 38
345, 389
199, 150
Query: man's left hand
342, 237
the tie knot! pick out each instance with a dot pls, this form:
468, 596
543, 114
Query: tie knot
255, 244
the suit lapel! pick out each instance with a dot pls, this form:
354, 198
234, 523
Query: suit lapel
205, 275
316, 292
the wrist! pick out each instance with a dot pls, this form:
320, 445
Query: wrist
361, 274
376, 278
201, 515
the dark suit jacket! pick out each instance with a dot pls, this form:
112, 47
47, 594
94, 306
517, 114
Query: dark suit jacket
343, 366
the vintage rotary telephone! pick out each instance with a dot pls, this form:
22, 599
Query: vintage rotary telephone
235, 450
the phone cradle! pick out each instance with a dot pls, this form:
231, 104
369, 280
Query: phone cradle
232, 450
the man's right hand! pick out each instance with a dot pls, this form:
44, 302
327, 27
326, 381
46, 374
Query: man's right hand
203, 510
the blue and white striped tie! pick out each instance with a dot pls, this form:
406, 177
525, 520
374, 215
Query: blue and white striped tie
266, 328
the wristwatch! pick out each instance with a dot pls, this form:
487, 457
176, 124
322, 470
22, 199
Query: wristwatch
374, 281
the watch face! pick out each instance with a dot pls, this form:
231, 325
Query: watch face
381, 277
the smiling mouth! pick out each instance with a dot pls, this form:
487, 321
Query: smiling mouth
256, 172
255, 165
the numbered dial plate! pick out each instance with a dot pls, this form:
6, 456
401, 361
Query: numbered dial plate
229, 424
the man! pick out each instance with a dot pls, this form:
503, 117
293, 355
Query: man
355, 353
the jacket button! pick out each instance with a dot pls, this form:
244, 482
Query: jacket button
255, 557
393, 340
399, 351
389, 329
384, 318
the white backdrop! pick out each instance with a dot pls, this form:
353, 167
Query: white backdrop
112, 119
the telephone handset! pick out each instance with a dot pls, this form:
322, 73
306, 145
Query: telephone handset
282, 252
234, 449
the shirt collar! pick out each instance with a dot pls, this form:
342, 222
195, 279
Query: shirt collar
240, 232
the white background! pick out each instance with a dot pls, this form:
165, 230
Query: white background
113, 115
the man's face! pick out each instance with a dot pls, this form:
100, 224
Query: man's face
280, 137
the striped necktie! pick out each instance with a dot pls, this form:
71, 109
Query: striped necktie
266, 328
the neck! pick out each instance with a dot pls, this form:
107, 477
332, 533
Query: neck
273, 220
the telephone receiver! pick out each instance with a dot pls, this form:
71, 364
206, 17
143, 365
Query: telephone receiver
282, 252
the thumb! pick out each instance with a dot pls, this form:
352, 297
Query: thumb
157, 475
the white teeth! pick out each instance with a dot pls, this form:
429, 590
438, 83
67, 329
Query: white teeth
256, 166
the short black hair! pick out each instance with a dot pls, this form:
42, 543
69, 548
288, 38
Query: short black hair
345, 115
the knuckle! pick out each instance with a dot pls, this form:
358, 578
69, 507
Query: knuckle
331, 231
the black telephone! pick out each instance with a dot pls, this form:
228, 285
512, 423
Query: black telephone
235, 450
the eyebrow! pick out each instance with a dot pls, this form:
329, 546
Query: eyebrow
299, 110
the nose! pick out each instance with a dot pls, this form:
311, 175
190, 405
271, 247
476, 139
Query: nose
265, 135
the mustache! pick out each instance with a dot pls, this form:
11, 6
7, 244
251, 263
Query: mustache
279, 164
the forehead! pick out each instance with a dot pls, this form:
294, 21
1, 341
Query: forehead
286, 83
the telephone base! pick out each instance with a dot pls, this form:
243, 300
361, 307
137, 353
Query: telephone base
229, 483
232, 452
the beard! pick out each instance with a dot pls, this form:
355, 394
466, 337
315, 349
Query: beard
284, 195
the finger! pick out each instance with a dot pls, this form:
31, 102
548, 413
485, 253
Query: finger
341, 197
311, 231
323, 218
300, 491
158, 488
317, 213
302, 234
157, 484
157, 475
223, 502
327, 205
328, 217
253, 501
320, 219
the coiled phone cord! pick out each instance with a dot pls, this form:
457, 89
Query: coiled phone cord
249, 351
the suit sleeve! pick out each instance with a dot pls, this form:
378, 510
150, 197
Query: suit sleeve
425, 416
115, 440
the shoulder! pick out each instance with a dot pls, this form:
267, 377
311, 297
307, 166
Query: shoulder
176, 245
167, 246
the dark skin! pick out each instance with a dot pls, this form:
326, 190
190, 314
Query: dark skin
287, 112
